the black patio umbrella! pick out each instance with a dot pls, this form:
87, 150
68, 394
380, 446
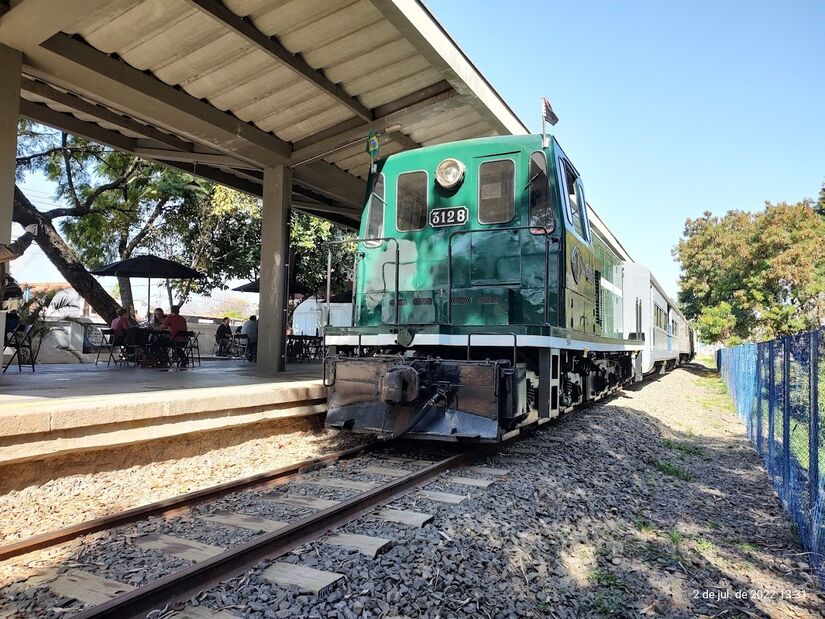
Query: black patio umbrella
147, 267
256, 287
250, 287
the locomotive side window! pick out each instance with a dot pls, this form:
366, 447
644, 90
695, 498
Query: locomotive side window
496, 201
411, 201
575, 199
375, 215
539, 212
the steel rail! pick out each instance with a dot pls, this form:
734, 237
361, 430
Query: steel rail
58, 536
183, 584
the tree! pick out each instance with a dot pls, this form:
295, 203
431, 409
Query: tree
117, 204
309, 237
754, 275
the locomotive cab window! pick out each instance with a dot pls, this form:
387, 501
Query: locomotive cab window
539, 212
411, 201
575, 199
496, 199
375, 214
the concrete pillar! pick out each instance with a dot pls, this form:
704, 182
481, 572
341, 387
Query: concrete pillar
274, 248
11, 62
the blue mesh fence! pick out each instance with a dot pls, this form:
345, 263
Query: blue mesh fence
776, 389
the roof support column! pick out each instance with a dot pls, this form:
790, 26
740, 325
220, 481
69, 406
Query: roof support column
12, 62
277, 193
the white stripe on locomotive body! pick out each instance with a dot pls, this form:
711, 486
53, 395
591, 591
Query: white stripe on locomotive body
501, 341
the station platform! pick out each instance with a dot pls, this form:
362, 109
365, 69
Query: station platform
65, 410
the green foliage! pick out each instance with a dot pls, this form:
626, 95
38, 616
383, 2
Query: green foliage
684, 448
36, 311
308, 235
754, 275
119, 206
673, 470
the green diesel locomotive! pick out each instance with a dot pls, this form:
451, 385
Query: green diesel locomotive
483, 300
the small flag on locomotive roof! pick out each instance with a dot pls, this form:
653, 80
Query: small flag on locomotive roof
547, 116
547, 112
372, 144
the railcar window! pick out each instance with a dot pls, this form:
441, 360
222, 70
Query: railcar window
496, 202
539, 196
375, 216
574, 198
411, 201
659, 317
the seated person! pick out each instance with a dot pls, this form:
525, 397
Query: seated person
177, 328
158, 321
120, 325
250, 330
223, 337
159, 337
12, 321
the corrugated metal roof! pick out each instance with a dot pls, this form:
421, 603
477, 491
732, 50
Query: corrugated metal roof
344, 65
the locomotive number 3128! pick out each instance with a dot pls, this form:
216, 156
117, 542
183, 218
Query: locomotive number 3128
453, 216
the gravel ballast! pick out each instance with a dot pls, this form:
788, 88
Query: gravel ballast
651, 503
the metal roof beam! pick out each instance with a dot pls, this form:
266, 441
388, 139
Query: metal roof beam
45, 115
74, 63
103, 114
247, 30
332, 182
343, 135
192, 157
318, 178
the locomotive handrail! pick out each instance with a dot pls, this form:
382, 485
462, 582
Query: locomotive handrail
515, 343
547, 241
355, 271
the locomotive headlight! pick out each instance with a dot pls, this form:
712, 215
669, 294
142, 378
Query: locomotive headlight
449, 173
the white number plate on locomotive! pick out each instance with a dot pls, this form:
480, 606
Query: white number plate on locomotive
452, 216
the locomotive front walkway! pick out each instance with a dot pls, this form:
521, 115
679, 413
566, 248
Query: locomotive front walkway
67, 410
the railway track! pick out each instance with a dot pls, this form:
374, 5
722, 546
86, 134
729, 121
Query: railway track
367, 476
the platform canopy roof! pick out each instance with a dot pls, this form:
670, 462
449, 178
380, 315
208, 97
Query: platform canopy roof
224, 89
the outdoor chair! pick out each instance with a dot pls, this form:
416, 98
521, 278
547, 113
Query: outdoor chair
241, 344
20, 340
107, 342
193, 347
134, 342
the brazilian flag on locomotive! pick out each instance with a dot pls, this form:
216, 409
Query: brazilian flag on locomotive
480, 254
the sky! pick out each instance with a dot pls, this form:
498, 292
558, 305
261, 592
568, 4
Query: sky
667, 109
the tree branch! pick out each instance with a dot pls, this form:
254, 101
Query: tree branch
67, 162
26, 159
149, 225
85, 207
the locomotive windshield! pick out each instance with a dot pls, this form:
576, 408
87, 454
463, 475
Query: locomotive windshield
375, 216
496, 199
411, 201
539, 212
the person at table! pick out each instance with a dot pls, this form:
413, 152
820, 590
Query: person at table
119, 326
223, 337
158, 337
158, 322
250, 330
12, 322
176, 324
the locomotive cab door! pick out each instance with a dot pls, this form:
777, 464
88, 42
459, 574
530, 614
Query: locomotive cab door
580, 274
